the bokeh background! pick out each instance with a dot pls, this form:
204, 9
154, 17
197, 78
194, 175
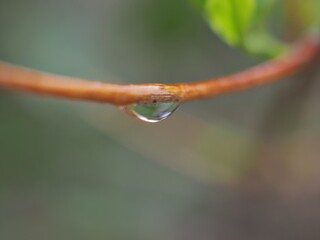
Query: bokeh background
240, 166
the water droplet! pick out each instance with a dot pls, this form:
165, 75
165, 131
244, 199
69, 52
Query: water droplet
152, 112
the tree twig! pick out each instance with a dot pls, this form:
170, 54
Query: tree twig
18, 78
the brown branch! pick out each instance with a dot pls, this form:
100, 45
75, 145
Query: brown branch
18, 78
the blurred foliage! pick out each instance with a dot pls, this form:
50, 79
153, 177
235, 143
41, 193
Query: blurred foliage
302, 15
245, 23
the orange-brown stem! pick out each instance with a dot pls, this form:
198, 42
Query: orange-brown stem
18, 78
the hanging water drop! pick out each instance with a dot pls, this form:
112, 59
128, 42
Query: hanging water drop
152, 112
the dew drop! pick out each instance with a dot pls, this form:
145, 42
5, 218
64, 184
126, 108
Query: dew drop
152, 112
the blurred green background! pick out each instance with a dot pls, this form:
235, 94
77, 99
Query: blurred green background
241, 166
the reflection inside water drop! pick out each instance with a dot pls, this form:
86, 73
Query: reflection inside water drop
152, 112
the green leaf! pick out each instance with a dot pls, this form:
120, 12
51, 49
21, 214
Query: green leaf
230, 18
242, 23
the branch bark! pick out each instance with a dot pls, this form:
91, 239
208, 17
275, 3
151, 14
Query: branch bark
19, 78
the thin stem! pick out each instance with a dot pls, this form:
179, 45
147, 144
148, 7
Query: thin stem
18, 78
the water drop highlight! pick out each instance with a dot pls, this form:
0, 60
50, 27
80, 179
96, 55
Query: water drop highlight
152, 112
